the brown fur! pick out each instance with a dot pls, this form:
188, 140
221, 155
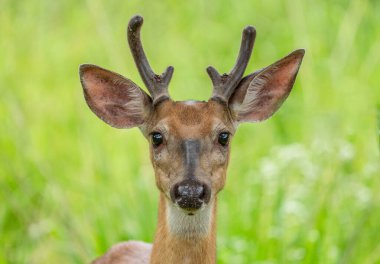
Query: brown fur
174, 249
182, 235
182, 120
199, 120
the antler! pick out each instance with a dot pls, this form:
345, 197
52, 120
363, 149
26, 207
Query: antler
156, 84
224, 85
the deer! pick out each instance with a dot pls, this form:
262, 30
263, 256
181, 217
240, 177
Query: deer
189, 141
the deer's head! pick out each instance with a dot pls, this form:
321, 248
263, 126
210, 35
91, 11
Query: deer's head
189, 140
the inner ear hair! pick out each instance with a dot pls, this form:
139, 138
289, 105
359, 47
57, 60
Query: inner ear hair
259, 95
113, 98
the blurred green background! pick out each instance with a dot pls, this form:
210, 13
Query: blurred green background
303, 187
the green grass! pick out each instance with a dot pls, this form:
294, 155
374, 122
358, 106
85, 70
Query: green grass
303, 187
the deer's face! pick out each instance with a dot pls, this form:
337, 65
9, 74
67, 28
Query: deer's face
189, 141
189, 146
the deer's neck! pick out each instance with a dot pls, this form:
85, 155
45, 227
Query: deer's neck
183, 238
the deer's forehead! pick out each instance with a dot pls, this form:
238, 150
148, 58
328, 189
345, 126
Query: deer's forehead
191, 119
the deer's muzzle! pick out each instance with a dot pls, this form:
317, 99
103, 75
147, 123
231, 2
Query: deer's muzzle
190, 194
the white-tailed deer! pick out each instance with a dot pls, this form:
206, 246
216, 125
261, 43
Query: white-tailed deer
189, 141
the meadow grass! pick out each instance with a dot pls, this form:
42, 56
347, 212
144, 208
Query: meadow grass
303, 187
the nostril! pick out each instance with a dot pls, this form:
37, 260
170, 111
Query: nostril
202, 192
176, 192
199, 192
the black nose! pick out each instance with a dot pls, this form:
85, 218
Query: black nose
190, 194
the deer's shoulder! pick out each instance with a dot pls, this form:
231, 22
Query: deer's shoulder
133, 252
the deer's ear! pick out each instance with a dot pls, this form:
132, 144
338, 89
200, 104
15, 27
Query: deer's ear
116, 100
260, 94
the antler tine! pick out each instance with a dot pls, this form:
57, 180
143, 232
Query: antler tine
224, 85
156, 84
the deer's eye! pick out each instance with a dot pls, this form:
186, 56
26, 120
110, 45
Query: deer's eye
157, 139
223, 138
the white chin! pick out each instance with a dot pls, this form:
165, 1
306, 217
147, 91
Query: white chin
187, 223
